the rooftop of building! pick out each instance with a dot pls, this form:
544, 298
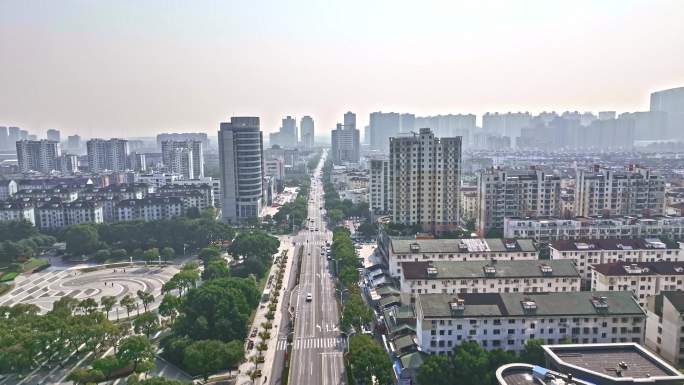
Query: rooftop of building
525, 374
153, 200
467, 245
599, 219
15, 205
640, 268
612, 361
676, 298
488, 269
530, 304
614, 244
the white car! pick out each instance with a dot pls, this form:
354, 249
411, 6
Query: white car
309, 297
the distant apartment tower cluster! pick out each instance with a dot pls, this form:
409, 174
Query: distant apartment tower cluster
38, 155
424, 178
184, 157
241, 160
306, 126
108, 154
345, 141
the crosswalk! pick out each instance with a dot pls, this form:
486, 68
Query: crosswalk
313, 343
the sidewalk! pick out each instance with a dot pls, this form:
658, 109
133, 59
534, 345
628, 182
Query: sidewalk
260, 317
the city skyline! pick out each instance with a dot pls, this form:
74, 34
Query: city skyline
176, 72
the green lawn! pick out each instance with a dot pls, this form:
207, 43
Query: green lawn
34, 263
8, 277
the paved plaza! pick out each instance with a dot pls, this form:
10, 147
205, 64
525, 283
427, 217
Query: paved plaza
44, 288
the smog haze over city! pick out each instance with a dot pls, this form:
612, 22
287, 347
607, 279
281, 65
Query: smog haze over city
130, 68
341, 192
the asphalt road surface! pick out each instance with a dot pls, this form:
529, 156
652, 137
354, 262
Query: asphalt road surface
317, 344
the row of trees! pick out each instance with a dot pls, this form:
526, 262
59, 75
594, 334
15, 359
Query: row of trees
336, 208
295, 211
177, 234
210, 322
470, 364
346, 262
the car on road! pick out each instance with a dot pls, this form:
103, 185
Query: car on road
309, 297
250, 345
254, 333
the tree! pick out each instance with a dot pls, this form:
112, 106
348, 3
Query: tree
435, 370
169, 306
146, 298
81, 239
85, 376
129, 303
151, 255
135, 350
147, 323
209, 254
118, 254
533, 353
108, 303
167, 253
356, 313
102, 255
335, 215
368, 360
367, 230
88, 305
205, 357
65, 305
216, 269
156, 381
106, 365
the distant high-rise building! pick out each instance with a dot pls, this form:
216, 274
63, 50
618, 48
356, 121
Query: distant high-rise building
635, 191
5, 144
306, 127
450, 125
184, 136
345, 141
38, 155
286, 137
383, 125
508, 124
138, 162
425, 179
606, 115
13, 135
672, 102
648, 125
111, 155
23, 135
53, 135
74, 143
184, 157
379, 194
242, 174
68, 163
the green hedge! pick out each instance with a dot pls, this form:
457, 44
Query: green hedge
8, 277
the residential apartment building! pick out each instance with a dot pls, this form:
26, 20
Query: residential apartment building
275, 167
425, 180
636, 191
458, 277
379, 188
345, 141
468, 204
596, 251
643, 279
665, 326
508, 320
53, 135
112, 154
515, 193
184, 157
149, 209
38, 155
199, 195
474, 249
553, 229
242, 174
55, 215
671, 102
17, 211
64, 194
8, 187
306, 137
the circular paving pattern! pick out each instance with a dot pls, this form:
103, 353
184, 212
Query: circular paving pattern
43, 289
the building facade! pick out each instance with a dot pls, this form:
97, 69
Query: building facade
345, 142
107, 155
241, 159
643, 279
379, 196
515, 193
38, 155
665, 326
306, 137
184, 157
425, 179
508, 320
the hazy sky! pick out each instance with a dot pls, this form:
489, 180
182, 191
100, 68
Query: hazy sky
120, 68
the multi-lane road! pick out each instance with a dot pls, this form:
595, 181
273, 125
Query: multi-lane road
317, 347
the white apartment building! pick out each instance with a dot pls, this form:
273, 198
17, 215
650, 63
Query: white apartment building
38, 155
665, 326
468, 203
425, 179
8, 187
508, 320
55, 215
306, 137
554, 229
515, 193
112, 154
643, 279
596, 251
157, 179
64, 194
476, 249
458, 277
636, 191
184, 157
149, 209
378, 190
17, 211
275, 167
197, 195
345, 141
